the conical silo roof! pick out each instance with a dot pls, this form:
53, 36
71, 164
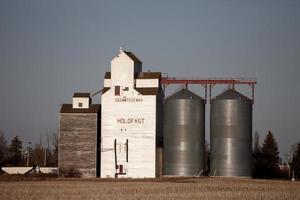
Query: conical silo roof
231, 94
185, 94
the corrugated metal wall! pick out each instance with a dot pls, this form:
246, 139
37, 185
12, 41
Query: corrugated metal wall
184, 134
231, 135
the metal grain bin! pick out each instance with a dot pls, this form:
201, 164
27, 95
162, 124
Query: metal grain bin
231, 135
184, 134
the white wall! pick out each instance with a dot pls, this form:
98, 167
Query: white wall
133, 119
107, 82
147, 83
85, 102
122, 71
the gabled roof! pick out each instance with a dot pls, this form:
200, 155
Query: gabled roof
148, 75
133, 57
80, 94
67, 108
105, 89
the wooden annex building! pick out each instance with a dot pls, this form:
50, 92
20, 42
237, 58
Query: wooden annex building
79, 137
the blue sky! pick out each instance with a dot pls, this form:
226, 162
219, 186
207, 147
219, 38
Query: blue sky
49, 49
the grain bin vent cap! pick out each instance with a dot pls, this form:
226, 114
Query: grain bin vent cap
185, 94
231, 94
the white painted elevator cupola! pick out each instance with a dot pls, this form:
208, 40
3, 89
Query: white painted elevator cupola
123, 69
81, 100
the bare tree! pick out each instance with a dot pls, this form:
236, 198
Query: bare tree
3, 149
296, 161
45, 153
37, 155
256, 146
54, 152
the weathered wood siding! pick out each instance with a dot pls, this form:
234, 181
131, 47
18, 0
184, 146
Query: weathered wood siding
78, 144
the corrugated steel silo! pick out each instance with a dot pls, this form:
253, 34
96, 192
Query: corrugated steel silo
184, 134
231, 135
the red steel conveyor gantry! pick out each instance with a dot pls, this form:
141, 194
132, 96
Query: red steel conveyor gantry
208, 83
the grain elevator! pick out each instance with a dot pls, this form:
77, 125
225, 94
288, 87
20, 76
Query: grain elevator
138, 133
131, 127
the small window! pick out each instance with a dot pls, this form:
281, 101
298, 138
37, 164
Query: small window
79, 104
117, 90
126, 89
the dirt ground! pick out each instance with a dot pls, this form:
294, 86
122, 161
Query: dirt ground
130, 189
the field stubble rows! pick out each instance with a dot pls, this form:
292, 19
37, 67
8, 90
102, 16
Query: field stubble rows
184, 188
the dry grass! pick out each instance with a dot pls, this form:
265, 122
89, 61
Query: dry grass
171, 188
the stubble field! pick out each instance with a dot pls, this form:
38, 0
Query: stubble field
131, 189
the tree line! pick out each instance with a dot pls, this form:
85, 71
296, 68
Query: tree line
44, 153
267, 163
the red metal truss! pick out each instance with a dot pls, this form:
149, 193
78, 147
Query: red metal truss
173, 80
208, 83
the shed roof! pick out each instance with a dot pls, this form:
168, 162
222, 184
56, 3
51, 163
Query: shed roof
148, 75
67, 108
105, 89
147, 91
81, 94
